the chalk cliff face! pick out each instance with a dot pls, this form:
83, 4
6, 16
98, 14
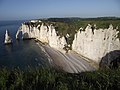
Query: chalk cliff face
27, 31
94, 44
45, 34
8, 39
54, 40
91, 43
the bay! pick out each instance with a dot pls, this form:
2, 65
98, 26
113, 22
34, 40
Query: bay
21, 53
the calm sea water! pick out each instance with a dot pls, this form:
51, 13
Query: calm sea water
21, 53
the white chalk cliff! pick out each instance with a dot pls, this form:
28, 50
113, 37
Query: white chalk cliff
27, 31
45, 34
90, 43
96, 43
8, 39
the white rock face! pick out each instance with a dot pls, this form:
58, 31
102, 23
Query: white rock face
28, 32
54, 40
8, 39
94, 44
45, 34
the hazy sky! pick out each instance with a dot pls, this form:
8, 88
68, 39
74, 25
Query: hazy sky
33, 9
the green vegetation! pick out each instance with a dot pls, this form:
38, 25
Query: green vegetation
70, 26
51, 79
76, 23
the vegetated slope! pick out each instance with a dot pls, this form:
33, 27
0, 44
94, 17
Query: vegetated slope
50, 79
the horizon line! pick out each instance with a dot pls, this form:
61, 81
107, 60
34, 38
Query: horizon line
63, 17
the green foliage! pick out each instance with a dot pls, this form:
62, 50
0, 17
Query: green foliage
51, 79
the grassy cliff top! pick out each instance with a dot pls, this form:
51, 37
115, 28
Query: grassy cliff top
69, 26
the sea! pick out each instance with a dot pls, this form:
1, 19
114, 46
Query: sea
21, 54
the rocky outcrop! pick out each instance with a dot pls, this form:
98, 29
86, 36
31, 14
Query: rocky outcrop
46, 34
54, 40
91, 43
28, 31
43, 33
8, 39
95, 43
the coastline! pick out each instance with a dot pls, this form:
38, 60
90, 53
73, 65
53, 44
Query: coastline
70, 62
86, 45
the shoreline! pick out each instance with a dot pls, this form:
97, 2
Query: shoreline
70, 62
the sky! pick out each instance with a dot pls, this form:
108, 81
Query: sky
35, 9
